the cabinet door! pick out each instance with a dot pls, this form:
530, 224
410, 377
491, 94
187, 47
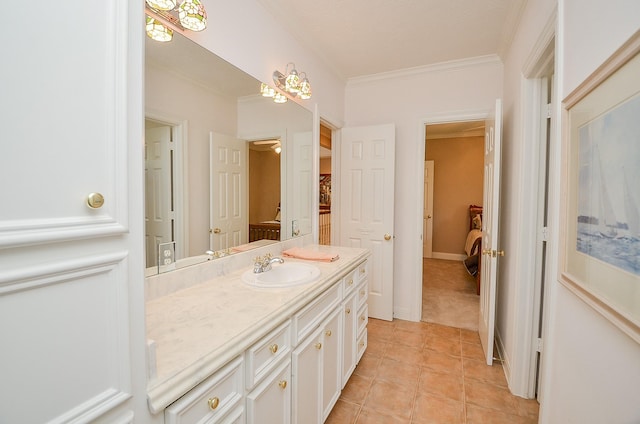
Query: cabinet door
350, 314
331, 361
306, 379
270, 402
71, 274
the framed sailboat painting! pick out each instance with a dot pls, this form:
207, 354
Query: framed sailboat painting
601, 241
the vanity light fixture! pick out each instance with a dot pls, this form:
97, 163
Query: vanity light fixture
291, 83
163, 17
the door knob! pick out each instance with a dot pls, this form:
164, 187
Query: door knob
387, 237
429, 216
215, 230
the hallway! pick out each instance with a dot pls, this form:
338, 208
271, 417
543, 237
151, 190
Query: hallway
449, 294
418, 373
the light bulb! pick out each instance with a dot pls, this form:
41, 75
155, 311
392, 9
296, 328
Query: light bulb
280, 98
267, 91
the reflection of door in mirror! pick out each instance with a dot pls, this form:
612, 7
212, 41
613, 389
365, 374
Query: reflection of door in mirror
264, 190
228, 191
158, 193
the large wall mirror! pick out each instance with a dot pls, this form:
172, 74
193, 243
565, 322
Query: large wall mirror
226, 169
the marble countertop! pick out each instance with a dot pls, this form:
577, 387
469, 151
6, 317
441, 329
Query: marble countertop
197, 330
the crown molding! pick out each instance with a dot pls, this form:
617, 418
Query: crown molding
427, 69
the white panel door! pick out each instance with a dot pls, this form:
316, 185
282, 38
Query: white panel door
367, 205
302, 149
157, 169
228, 192
427, 230
71, 274
490, 252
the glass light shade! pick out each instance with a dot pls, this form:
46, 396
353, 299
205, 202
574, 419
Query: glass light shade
292, 83
305, 89
192, 15
162, 4
280, 98
267, 91
157, 31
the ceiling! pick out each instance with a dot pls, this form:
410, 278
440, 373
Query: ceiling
365, 37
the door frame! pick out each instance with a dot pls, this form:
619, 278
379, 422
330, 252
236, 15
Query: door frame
520, 369
441, 118
179, 133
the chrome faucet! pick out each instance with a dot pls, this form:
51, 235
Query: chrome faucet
263, 264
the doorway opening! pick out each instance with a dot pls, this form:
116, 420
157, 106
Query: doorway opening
453, 181
324, 219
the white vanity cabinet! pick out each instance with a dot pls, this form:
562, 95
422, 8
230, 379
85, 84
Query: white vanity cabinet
219, 399
316, 371
270, 401
296, 371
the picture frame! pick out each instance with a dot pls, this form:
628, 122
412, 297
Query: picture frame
325, 191
600, 244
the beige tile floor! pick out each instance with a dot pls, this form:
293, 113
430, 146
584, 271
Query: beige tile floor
415, 373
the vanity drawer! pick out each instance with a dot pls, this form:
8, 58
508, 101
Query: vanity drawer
363, 293
349, 282
266, 353
362, 345
363, 270
363, 318
310, 316
212, 399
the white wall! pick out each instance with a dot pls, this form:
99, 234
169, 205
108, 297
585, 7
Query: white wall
408, 100
591, 368
243, 33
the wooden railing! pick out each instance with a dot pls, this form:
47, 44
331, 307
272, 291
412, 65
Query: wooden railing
325, 227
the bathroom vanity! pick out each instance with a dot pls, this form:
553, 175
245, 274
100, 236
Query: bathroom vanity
224, 351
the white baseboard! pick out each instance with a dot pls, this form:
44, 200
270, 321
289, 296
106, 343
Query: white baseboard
506, 365
448, 256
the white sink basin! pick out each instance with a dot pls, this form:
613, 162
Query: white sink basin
288, 274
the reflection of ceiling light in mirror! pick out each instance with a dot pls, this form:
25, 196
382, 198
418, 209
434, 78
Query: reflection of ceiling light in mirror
280, 98
277, 148
162, 4
293, 83
267, 91
157, 31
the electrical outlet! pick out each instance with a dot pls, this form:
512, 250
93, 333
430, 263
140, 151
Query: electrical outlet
166, 256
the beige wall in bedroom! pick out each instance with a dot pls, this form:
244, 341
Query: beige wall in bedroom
458, 182
264, 171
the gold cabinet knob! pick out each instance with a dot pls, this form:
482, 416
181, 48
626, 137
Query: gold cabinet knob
500, 253
348, 310
350, 282
361, 344
328, 333
273, 348
362, 292
213, 402
387, 237
362, 270
215, 230
282, 384
95, 200
486, 251
362, 318
428, 216
318, 345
